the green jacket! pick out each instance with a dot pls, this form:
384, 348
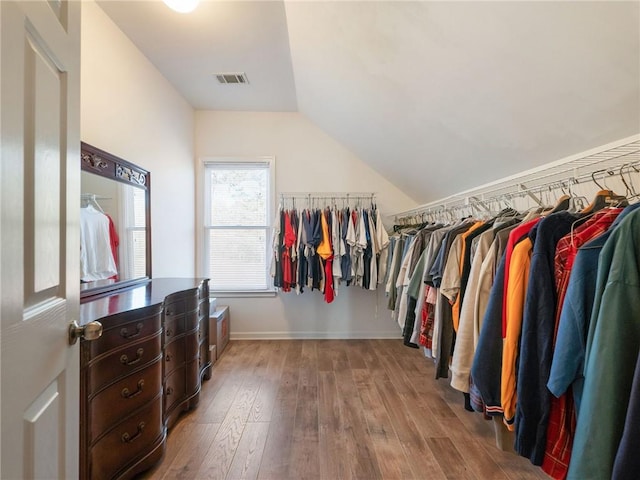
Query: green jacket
612, 349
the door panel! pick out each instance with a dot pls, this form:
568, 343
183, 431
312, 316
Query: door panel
39, 208
43, 84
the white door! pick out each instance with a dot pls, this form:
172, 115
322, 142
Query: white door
39, 264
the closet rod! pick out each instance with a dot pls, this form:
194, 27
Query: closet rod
559, 174
328, 194
480, 203
93, 196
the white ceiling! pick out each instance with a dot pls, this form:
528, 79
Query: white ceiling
436, 96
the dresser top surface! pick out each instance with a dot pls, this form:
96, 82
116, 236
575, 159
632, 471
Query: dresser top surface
152, 293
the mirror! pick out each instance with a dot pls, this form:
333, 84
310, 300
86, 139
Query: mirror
115, 222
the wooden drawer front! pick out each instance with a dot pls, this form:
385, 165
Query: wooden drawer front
177, 306
123, 362
131, 439
202, 330
193, 377
124, 334
174, 355
191, 346
174, 390
203, 356
203, 291
203, 309
122, 398
173, 327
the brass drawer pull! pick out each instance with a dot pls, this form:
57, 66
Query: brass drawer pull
124, 333
169, 390
126, 438
125, 360
169, 332
125, 391
168, 357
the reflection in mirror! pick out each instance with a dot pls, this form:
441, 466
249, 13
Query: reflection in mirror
114, 222
121, 255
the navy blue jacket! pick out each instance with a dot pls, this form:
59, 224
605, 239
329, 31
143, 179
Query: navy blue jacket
536, 341
627, 463
486, 369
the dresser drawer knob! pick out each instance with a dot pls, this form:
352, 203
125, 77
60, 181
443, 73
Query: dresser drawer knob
169, 390
124, 333
125, 360
168, 357
169, 311
169, 332
126, 438
126, 394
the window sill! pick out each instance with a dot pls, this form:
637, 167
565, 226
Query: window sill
242, 294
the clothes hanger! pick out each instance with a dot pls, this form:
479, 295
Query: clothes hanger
563, 203
604, 198
634, 194
92, 201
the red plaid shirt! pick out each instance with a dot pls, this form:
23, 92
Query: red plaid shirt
427, 318
562, 419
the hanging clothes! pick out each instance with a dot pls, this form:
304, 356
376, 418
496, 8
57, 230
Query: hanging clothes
97, 261
627, 462
320, 249
613, 344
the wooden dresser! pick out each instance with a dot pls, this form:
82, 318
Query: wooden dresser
141, 374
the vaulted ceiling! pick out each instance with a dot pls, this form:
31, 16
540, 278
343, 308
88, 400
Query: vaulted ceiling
436, 96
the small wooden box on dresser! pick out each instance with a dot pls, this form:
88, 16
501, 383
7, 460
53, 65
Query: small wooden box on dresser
141, 374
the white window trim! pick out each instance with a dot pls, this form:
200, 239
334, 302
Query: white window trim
201, 269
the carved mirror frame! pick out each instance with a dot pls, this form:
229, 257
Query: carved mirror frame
98, 162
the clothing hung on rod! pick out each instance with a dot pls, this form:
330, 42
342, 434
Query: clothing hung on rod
512, 307
322, 249
99, 243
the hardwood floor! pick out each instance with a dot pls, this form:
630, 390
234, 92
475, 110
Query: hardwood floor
334, 410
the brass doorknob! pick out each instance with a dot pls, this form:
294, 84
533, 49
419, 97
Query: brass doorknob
90, 331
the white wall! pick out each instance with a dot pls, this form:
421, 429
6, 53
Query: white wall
129, 109
306, 160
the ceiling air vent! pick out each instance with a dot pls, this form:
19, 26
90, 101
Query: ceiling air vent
232, 78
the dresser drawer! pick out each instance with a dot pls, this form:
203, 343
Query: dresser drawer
173, 327
203, 309
203, 355
180, 304
124, 334
174, 355
175, 389
122, 362
176, 307
202, 330
120, 399
203, 291
193, 376
131, 438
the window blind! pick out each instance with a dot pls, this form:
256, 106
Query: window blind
237, 231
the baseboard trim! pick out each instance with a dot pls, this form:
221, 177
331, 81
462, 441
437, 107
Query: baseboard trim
314, 335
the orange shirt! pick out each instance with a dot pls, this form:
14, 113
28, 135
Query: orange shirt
516, 292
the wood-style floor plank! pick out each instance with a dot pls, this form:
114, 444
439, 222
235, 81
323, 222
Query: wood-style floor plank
333, 410
192, 452
246, 461
332, 451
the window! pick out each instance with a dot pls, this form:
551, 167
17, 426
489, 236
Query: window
237, 234
133, 208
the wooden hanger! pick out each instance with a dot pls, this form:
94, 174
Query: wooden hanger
603, 199
563, 203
